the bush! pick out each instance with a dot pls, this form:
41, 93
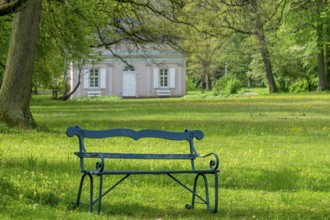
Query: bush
302, 86
227, 85
190, 84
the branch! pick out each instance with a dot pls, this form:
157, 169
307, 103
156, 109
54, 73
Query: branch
164, 14
231, 27
302, 5
67, 96
275, 12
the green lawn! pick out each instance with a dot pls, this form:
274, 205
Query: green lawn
274, 152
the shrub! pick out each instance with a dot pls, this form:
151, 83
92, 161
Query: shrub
190, 84
216, 87
227, 85
303, 85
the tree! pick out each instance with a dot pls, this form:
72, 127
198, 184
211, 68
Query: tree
238, 53
255, 18
204, 53
15, 91
308, 26
322, 30
251, 17
68, 35
89, 26
294, 52
77, 27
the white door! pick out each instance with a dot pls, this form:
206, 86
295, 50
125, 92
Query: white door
129, 83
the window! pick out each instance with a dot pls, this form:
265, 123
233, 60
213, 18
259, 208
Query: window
94, 77
129, 68
163, 78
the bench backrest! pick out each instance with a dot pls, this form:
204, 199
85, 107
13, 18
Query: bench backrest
187, 135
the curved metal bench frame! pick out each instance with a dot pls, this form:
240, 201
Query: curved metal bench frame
136, 135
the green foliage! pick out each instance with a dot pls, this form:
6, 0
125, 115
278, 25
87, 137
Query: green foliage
293, 45
203, 60
68, 34
216, 87
190, 84
300, 41
63, 87
227, 85
300, 86
295, 55
256, 73
76, 31
304, 85
238, 54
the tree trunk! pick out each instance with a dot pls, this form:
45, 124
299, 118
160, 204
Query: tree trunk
327, 54
268, 67
323, 85
207, 82
16, 89
264, 49
327, 62
68, 94
321, 69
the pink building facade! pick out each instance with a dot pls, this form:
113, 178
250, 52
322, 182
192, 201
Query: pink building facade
159, 73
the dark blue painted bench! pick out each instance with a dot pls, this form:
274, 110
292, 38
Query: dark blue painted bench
101, 168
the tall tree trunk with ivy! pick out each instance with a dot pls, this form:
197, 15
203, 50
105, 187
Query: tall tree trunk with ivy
15, 92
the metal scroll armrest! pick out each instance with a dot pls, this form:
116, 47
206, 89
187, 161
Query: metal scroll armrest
214, 164
99, 165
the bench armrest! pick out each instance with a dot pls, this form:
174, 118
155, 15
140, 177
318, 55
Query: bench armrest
214, 164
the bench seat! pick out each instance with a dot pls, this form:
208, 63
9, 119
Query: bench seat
120, 172
95, 93
163, 93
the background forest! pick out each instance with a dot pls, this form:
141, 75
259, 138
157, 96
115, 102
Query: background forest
282, 44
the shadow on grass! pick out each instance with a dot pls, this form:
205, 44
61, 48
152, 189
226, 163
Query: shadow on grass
267, 180
265, 212
135, 210
138, 211
7, 189
282, 179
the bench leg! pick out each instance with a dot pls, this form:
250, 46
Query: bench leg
206, 191
100, 194
216, 192
77, 203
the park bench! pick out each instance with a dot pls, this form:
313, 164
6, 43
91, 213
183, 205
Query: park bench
102, 159
94, 93
163, 93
